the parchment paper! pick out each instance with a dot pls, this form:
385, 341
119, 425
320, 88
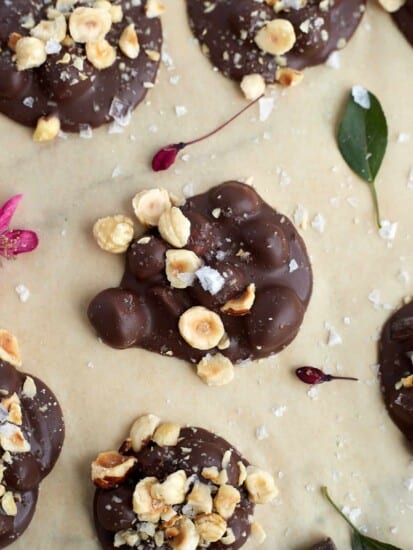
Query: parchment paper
343, 438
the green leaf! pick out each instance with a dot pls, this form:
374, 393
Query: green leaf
362, 140
359, 541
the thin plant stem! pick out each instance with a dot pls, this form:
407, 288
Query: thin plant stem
209, 134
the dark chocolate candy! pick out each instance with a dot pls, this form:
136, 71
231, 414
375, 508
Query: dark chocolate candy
326, 544
113, 507
59, 89
404, 20
249, 243
43, 428
395, 357
227, 29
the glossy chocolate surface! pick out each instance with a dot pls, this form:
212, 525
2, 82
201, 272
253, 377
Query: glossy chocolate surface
113, 507
249, 243
43, 427
222, 29
395, 357
404, 20
61, 89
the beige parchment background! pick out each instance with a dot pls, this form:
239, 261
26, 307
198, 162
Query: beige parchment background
343, 438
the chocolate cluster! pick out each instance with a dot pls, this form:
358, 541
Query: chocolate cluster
396, 368
172, 487
245, 37
80, 64
31, 438
223, 274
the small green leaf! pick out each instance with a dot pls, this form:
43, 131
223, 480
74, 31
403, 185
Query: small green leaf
362, 140
359, 541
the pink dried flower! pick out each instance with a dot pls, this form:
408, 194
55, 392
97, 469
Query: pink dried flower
14, 241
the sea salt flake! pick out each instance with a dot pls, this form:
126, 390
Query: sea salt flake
408, 483
188, 190
402, 137
211, 280
117, 171
28, 102
361, 96
120, 111
265, 105
23, 292
85, 131
388, 230
292, 266
300, 216
333, 338
374, 297
279, 411
52, 47
313, 393
403, 276
261, 433
293, 4
3, 414
180, 110
318, 223
334, 60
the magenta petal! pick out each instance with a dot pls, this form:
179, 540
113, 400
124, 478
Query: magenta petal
7, 211
17, 241
164, 158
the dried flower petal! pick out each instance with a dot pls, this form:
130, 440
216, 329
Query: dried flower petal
312, 376
17, 241
14, 241
7, 211
165, 157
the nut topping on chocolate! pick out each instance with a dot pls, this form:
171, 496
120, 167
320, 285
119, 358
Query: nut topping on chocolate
169, 497
209, 282
245, 38
31, 437
78, 66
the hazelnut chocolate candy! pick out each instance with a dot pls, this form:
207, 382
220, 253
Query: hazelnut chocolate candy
69, 66
173, 487
403, 16
396, 368
31, 438
223, 278
273, 38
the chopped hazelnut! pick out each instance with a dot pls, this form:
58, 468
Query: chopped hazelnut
129, 43
215, 370
201, 328
111, 468
9, 348
47, 129
113, 233
142, 430
276, 37
30, 53
166, 434
174, 227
